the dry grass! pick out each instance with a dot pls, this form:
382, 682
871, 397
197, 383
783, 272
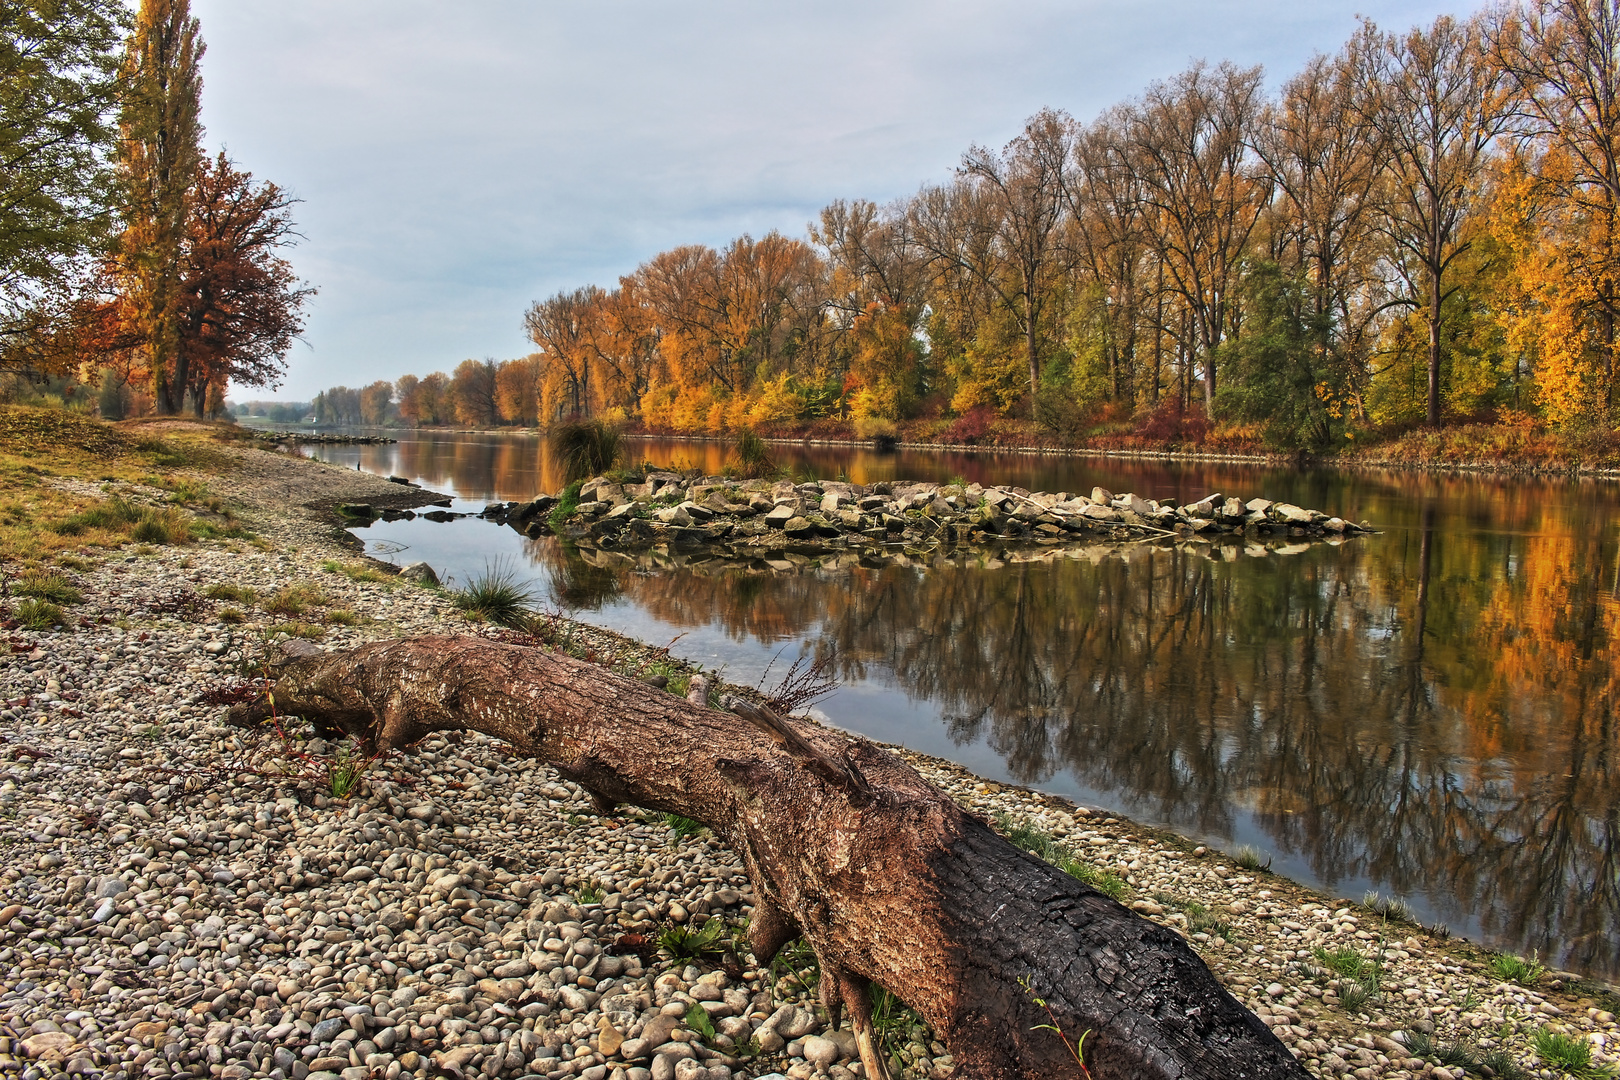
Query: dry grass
40, 523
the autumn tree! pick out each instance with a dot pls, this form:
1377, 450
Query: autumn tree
58, 96
1202, 192
1559, 198
1321, 144
1440, 113
240, 302
517, 390
375, 401
160, 154
423, 400
1011, 244
561, 328
472, 389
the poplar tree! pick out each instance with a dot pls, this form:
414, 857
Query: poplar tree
160, 156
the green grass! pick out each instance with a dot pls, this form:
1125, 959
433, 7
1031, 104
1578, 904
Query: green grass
42, 585
683, 827
294, 600
344, 771
1506, 967
356, 573
342, 617
1025, 834
588, 894
797, 961
1200, 920
1251, 858
293, 628
494, 596
38, 615
239, 594
1568, 1055
684, 943
143, 524
1391, 907
567, 503
753, 457
1358, 977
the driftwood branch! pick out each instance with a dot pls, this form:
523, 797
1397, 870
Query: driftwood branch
886, 878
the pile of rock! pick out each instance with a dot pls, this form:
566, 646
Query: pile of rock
669, 509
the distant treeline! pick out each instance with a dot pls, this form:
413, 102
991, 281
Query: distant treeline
1421, 227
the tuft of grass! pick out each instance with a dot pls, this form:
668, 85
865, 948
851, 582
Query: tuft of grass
356, 573
1506, 967
232, 615
683, 827
753, 457
567, 503
1567, 1054
494, 596
1502, 1065
1358, 979
342, 617
588, 894
1419, 1044
797, 961
240, 594
584, 448
294, 628
296, 600
1200, 920
892, 1020
38, 615
1463, 1052
1250, 858
42, 585
120, 516
1392, 907
344, 771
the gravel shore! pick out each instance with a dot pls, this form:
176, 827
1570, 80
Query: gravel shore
183, 899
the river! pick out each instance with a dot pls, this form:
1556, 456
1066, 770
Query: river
1430, 712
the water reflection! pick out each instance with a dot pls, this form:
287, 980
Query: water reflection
1430, 712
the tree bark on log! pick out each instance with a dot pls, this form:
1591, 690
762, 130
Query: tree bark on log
887, 879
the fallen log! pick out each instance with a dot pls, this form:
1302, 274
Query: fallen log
886, 878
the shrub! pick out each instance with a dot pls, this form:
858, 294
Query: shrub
146, 524
584, 448
1170, 423
971, 427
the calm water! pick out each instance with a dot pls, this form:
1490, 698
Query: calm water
1430, 712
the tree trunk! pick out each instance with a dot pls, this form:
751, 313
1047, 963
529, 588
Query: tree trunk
1432, 411
886, 878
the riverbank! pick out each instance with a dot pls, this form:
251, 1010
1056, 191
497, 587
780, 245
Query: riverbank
189, 899
1510, 449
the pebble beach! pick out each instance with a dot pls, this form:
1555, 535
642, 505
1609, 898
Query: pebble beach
180, 898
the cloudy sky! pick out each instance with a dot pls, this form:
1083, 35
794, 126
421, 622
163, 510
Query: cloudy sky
458, 161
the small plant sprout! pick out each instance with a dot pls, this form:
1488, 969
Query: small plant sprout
344, 771
1077, 1048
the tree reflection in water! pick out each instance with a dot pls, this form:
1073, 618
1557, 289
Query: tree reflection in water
1432, 709
1435, 714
